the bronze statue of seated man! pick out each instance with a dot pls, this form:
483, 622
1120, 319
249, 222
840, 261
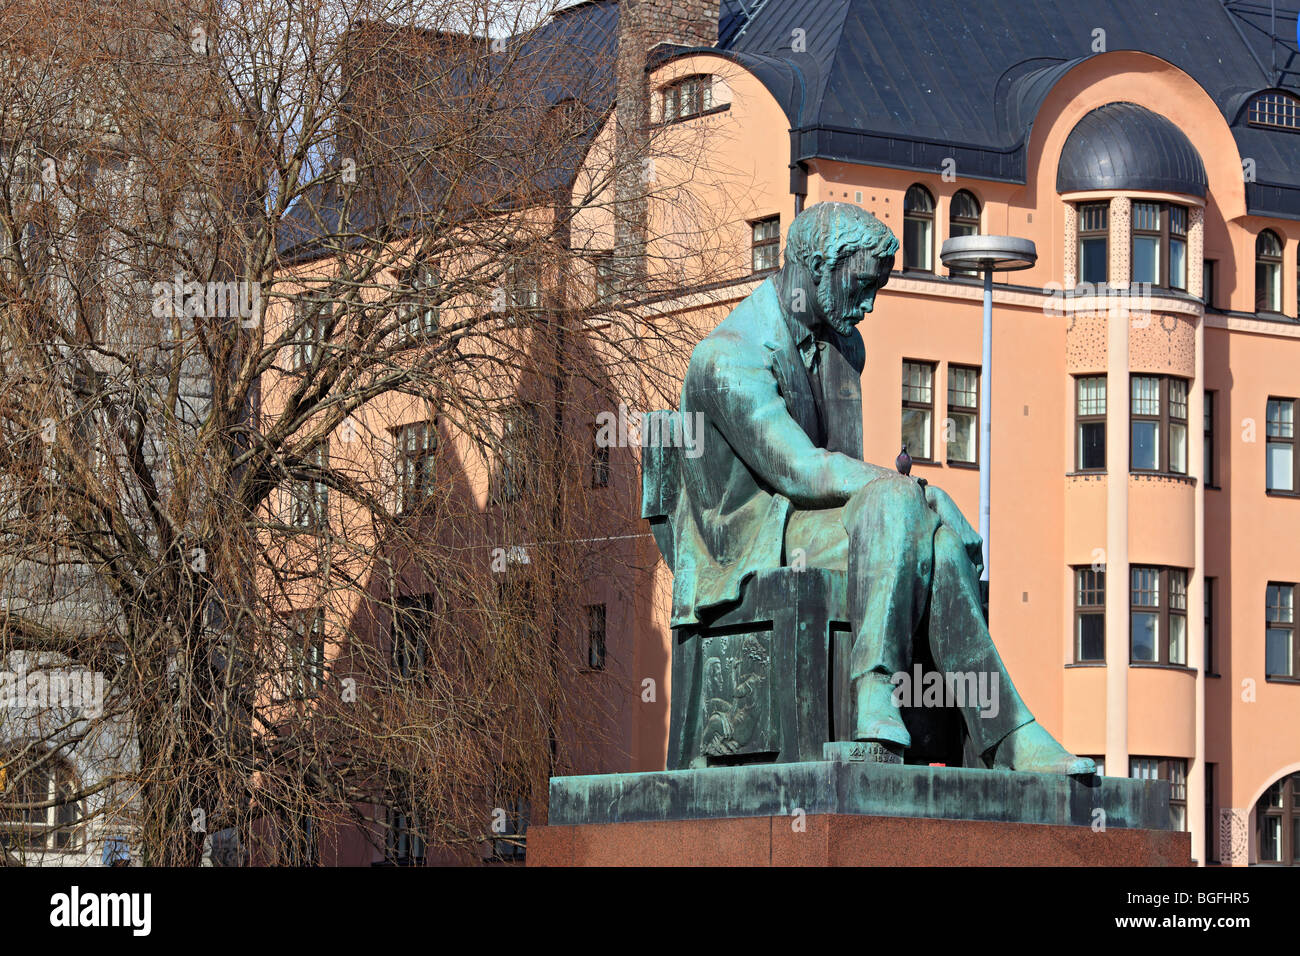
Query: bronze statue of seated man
778, 480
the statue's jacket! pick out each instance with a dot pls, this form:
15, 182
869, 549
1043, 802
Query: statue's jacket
766, 445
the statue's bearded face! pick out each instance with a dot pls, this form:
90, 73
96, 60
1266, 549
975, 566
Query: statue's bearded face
848, 292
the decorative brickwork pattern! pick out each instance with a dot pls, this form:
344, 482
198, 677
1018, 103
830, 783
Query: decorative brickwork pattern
1164, 343
1085, 342
1121, 246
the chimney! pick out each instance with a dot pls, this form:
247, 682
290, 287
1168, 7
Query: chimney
642, 26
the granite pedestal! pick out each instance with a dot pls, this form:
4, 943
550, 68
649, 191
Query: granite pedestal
849, 811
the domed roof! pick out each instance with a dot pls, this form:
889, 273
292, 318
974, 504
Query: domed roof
1126, 146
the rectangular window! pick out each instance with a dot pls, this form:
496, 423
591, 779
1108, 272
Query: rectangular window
1281, 445
599, 464
1158, 424
413, 620
1208, 269
416, 447
766, 244
688, 97
918, 408
522, 286
596, 636
1160, 245
609, 282
1158, 615
301, 663
1090, 423
1279, 633
1089, 615
962, 427
1094, 251
309, 497
420, 313
1210, 584
520, 433
1209, 464
1171, 769
311, 325
1147, 226
404, 846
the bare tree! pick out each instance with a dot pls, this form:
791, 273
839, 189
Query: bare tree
305, 314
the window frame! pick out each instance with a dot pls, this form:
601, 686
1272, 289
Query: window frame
1271, 262
972, 410
520, 434
1279, 625
917, 405
1209, 461
1166, 423
1274, 109
411, 633
1164, 609
919, 218
312, 317
50, 834
600, 462
761, 245
1270, 440
1165, 236
964, 222
1287, 809
309, 498
1093, 418
305, 657
700, 87
1173, 769
415, 464
1090, 235
597, 636
418, 321
1084, 609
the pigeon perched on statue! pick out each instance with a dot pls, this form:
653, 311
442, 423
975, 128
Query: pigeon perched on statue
903, 462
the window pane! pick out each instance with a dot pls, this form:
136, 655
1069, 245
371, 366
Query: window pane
1092, 396
962, 446
1270, 839
1146, 445
1146, 395
918, 382
1277, 651
916, 431
1092, 637
1146, 634
1177, 639
962, 386
917, 245
1093, 266
1178, 263
1281, 414
1268, 287
1279, 476
1178, 448
1092, 445
1146, 259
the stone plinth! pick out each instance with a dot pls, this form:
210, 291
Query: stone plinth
847, 812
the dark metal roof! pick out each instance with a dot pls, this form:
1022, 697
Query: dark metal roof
1126, 146
909, 83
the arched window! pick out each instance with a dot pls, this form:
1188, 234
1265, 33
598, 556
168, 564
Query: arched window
918, 229
1277, 822
1268, 272
1275, 110
963, 220
35, 777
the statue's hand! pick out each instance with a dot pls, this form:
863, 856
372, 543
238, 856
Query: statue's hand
951, 516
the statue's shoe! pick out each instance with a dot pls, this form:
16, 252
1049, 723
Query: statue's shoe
876, 716
1031, 749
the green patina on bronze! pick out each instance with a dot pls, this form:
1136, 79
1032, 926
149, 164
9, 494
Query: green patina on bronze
768, 666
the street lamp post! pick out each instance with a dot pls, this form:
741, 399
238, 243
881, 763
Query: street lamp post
987, 254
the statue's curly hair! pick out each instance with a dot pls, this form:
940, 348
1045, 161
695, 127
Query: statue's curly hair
837, 230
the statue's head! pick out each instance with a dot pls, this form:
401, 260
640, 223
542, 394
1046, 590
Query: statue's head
847, 253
